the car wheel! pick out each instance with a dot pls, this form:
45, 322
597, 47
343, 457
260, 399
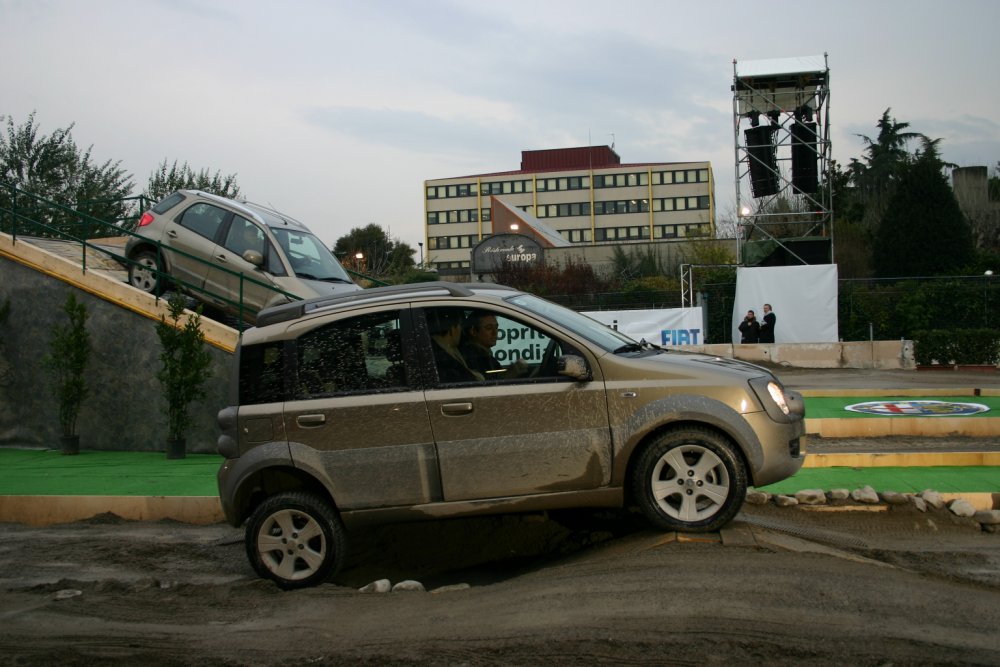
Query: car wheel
295, 539
144, 272
690, 480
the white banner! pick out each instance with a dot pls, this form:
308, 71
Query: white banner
666, 327
803, 298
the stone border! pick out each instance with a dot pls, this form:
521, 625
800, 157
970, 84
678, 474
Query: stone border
980, 507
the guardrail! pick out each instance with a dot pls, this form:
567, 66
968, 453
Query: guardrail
18, 213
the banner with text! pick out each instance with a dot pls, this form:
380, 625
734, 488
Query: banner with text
666, 327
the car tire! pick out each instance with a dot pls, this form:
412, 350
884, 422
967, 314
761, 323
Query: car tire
295, 539
690, 480
144, 271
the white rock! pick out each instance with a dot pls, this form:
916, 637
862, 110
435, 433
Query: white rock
785, 501
811, 497
933, 498
66, 594
380, 586
919, 503
962, 508
839, 494
450, 588
893, 498
758, 497
987, 517
408, 585
865, 495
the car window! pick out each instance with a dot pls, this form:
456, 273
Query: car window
168, 203
490, 346
356, 355
203, 219
242, 236
308, 256
594, 331
262, 373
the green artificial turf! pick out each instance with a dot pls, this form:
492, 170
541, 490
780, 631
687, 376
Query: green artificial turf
947, 479
50, 473
826, 407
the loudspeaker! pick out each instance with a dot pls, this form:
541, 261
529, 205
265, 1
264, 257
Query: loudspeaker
763, 165
805, 177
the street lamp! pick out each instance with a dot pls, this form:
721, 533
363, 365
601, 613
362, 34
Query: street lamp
421, 244
360, 260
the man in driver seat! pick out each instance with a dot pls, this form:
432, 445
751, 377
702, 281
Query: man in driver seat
479, 337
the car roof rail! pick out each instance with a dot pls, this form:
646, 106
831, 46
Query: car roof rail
292, 311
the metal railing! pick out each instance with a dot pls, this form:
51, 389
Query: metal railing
19, 213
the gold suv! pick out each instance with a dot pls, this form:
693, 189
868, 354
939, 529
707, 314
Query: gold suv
444, 400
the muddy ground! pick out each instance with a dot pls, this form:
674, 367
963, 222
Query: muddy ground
782, 586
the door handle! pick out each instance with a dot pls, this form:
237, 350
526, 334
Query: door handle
310, 421
453, 409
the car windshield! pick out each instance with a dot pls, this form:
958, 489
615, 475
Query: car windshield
597, 333
308, 256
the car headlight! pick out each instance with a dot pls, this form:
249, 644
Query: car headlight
782, 405
778, 395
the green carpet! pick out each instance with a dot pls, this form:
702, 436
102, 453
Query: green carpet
947, 479
826, 407
49, 473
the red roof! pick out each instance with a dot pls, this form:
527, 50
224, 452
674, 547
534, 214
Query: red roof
583, 157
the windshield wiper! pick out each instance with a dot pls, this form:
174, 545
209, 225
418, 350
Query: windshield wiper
637, 347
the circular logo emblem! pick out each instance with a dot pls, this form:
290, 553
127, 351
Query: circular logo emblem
917, 408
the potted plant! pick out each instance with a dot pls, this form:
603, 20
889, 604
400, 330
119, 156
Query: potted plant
185, 364
67, 361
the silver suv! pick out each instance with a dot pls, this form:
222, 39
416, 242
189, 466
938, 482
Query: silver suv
445, 400
224, 252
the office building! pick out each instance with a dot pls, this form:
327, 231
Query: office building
586, 195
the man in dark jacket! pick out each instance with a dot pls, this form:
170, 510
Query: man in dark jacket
750, 329
767, 326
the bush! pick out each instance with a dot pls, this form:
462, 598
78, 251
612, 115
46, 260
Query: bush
957, 346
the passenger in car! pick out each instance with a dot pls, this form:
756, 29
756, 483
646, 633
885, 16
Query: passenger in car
446, 331
479, 335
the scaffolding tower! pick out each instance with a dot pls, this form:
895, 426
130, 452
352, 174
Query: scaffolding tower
781, 128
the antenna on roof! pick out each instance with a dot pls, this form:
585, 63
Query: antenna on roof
612, 135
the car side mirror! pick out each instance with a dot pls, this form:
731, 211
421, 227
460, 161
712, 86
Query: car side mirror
254, 258
573, 366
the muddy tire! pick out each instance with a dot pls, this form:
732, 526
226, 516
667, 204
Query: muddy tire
296, 540
144, 272
690, 480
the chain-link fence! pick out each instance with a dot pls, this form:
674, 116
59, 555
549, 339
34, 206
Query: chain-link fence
873, 309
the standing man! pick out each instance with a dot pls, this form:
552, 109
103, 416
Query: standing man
767, 326
749, 329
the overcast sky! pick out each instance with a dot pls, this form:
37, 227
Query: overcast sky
335, 112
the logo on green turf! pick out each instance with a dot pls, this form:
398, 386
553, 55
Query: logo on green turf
917, 408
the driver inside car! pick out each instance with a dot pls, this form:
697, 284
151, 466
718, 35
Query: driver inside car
479, 335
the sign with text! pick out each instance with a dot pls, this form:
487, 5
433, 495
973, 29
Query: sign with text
666, 327
491, 253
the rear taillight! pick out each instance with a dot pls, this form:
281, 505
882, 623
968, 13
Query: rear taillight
146, 218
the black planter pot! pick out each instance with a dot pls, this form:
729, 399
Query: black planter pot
69, 444
176, 448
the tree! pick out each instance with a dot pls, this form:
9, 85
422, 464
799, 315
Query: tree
67, 361
923, 232
381, 255
163, 181
885, 159
53, 168
185, 365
